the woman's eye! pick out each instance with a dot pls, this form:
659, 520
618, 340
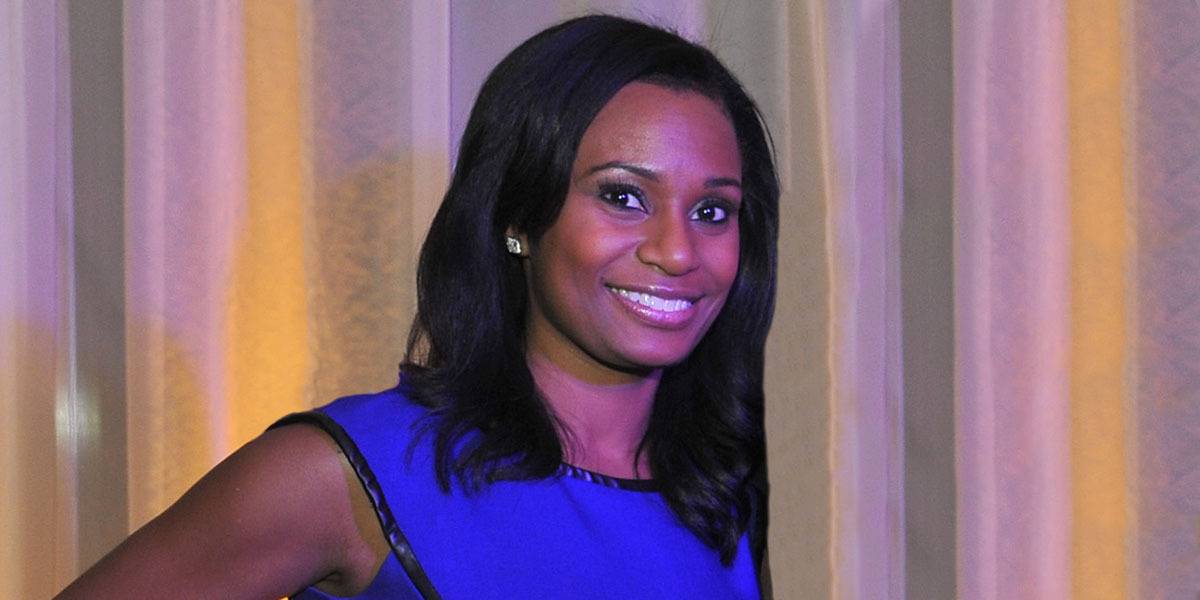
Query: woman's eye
711, 213
623, 197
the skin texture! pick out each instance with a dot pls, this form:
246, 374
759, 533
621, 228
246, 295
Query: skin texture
652, 208
655, 173
283, 510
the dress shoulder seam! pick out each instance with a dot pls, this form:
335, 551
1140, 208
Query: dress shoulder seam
391, 530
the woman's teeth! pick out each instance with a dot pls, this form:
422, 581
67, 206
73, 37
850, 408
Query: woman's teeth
654, 302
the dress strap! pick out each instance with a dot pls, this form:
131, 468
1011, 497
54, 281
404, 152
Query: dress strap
391, 530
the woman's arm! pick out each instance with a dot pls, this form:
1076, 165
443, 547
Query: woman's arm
281, 513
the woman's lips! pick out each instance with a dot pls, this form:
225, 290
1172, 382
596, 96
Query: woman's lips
668, 311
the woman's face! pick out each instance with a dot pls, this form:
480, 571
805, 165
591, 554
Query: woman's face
643, 253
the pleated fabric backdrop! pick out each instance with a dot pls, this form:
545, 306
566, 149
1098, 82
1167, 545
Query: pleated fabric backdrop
984, 373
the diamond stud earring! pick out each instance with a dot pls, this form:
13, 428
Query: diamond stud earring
513, 245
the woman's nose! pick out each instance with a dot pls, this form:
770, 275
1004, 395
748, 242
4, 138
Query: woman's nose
669, 245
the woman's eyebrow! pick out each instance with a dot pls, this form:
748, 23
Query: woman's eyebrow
646, 173
642, 172
717, 182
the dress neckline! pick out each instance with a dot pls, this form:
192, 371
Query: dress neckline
633, 485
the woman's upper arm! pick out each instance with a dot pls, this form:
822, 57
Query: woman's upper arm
275, 516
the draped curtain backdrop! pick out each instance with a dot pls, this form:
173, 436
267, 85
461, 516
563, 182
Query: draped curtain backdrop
984, 372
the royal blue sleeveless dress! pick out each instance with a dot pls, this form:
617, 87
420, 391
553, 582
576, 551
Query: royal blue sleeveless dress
577, 535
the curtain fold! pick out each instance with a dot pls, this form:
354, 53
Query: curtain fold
374, 185
862, 165
798, 377
1011, 286
1101, 319
1163, 179
268, 347
186, 181
40, 415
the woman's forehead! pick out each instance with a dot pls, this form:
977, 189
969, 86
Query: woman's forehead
656, 127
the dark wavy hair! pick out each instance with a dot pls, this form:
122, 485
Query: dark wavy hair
466, 350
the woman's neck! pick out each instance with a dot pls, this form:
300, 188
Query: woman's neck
605, 421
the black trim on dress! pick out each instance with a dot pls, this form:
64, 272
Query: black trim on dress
632, 485
391, 530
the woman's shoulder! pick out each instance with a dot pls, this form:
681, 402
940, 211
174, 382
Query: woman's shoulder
376, 437
275, 515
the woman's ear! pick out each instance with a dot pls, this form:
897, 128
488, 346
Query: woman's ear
516, 243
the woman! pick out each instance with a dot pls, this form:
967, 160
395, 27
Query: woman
580, 408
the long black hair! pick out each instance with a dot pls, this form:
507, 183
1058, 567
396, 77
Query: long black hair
466, 349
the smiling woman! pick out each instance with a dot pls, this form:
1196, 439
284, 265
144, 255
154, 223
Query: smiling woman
580, 409
645, 249
638, 263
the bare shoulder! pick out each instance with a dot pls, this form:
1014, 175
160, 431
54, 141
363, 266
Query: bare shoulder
283, 512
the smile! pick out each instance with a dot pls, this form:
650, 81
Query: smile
655, 310
654, 302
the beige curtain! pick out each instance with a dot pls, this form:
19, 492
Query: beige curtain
981, 377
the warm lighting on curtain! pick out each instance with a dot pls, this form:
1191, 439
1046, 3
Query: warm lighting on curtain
982, 376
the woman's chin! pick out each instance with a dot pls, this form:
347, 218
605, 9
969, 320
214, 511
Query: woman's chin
645, 359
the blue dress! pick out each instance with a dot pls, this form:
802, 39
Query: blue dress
576, 535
